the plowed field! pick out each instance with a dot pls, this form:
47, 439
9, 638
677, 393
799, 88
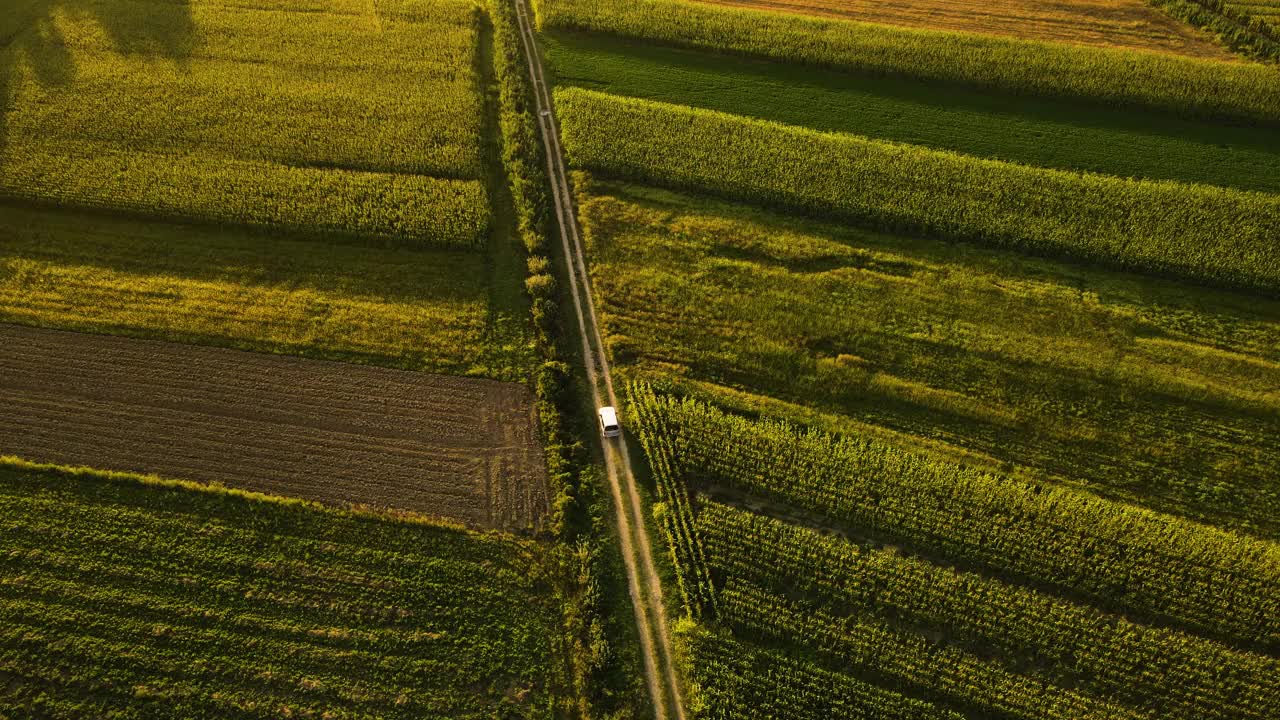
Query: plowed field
1131, 24
342, 434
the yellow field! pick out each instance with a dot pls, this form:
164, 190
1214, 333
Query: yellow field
1129, 24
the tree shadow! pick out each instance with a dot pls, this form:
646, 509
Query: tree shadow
36, 49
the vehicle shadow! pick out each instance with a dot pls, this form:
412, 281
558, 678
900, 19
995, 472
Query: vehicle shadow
39, 40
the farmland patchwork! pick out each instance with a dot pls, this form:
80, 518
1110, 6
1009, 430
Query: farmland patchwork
954, 358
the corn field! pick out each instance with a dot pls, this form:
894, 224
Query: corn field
1183, 86
128, 597
311, 117
1201, 232
1126, 558
1179, 674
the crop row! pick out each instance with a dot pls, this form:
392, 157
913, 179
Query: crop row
1185, 86
910, 662
675, 516
1198, 231
1118, 555
413, 210
118, 590
1176, 674
734, 680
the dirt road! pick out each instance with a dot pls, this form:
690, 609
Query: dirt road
453, 447
637, 553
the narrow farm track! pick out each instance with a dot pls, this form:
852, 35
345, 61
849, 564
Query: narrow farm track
460, 448
637, 553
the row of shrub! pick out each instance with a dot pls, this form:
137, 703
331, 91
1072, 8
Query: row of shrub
1181, 675
1122, 557
1205, 233
1180, 85
572, 522
674, 515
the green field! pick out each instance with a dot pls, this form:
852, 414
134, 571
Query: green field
252, 113
232, 174
1200, 232
1085, 376
979, 593
949, 362
123, 598
1267, 11
322, 178
1033, 131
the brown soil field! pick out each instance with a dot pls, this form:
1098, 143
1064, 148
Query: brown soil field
1131, 24
460, 448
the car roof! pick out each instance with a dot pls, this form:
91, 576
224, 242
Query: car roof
609, 415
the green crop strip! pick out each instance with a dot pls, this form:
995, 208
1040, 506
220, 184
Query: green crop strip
1184, 86
1031, 131
120, 595
1201, 232
910, 661
1240, 26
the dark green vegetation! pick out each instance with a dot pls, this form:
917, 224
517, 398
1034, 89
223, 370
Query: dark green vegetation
1113, 554
133, 599
1030, 647
1034, 131
1091, 650
1166, 83
1197, 231
1144, 390
734, 679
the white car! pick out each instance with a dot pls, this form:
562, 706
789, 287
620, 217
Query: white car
609, 422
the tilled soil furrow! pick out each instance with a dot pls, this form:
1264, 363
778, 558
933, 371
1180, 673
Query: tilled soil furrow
389, 408
354, 380
362, 483
110, 432
122, 421
339, 433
